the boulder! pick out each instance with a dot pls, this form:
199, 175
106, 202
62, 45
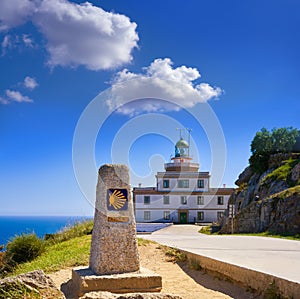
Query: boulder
35, 284
244, 177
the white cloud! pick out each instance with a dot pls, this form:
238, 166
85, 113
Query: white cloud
4, 101
15, 41
85, 35
16, 96
77, 34
7, 43
30, 83
27, 40
15, 12
160, 81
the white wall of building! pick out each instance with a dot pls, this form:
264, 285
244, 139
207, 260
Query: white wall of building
173, 184
157, 201
158, 215
157, 207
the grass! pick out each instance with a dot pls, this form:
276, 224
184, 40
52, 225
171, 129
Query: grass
70, 253
58, 256
68, 248
69, 232
281, 173
144, 242
272, 235
17, 291
205, 230
174, 254
288, 192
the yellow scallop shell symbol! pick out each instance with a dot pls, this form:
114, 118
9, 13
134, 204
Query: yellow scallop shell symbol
117, 200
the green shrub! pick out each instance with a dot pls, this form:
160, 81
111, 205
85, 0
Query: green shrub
71, 253
78, 229
24, 248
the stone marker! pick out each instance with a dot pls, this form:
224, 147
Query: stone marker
114, 246
114, 260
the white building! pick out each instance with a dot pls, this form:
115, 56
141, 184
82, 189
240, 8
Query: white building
182, 193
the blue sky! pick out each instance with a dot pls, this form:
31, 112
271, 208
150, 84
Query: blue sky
56, 56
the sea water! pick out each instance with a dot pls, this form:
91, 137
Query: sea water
11, 226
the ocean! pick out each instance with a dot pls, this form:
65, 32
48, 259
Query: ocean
40, 225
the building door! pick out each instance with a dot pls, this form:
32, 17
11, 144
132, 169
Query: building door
183, 217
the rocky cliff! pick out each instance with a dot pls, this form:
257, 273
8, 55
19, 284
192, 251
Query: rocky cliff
268, 201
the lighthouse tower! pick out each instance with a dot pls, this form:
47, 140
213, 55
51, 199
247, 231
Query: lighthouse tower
182, 193
182, 160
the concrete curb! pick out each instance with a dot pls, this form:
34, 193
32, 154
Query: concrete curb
247, 277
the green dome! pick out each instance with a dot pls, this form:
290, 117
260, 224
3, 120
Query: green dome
182, 143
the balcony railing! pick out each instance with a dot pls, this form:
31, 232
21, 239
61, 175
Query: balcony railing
183, 164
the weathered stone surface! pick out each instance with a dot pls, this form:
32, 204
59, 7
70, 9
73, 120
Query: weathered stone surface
295, 173
108, 295
36, 282
244, 176
114, 259
275, 214
114, 246
262, 203
141, 281
277, 159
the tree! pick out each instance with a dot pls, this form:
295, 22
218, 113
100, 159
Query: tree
266, 143
284, 139
262, 142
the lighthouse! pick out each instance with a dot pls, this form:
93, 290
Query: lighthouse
182, 193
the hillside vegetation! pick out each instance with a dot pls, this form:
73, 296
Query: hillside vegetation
27, 252
268, 195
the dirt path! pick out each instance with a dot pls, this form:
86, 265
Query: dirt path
178, 278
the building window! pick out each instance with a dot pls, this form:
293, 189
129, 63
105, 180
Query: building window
220, 215
166, 215
147, 215
200, 200
200, 216
166, 183
183, 183
183, 200
200, 183
220, 200
146, 200
166, 199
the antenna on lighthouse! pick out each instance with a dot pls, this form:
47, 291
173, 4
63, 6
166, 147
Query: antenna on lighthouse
189, 140
180, 134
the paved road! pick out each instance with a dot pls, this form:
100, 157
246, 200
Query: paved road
278, 257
